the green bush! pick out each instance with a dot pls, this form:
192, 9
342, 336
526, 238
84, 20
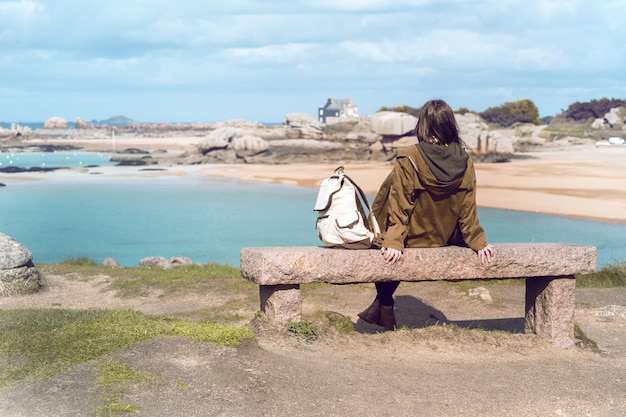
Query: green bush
521, 111
609, 276
80, 261
304, 330
341, 323
592, 109
463, 110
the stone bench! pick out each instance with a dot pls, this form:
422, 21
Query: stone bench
548, 269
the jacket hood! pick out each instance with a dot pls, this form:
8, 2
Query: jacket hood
441, 168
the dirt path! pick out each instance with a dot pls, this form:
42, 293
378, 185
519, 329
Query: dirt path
483, 366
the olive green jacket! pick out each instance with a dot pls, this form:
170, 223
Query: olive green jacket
429, 200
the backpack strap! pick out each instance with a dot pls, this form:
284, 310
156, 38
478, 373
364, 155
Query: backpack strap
370, 220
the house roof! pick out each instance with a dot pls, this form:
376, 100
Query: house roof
338, 104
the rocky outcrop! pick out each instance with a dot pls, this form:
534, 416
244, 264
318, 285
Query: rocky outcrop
389, 123
55, 123
277, 146
482, 140
80, 124
249, 145
302, 126
164, 263
15, 132
111, 263
18, 274
302, 138
228, 144
615, 118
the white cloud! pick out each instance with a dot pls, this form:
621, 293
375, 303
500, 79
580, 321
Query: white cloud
271, 53
386, 50
20, 20
18, 12
366, 5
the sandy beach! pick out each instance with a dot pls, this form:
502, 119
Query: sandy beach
585, 183
579, 181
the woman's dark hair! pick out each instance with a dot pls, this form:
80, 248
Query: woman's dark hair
436, 123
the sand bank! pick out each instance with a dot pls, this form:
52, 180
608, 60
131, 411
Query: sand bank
588, 183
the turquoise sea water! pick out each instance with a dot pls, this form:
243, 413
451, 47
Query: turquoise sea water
53, 159
211, 219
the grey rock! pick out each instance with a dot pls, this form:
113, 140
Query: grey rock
155, 261
610, 310
299, 120
110, 262
15, 131
161, 262
179, 261
390, 123
55, 123
478, 137
304, 132
300, 126
218, 139
249, 145
18, 274
615, 117
482, 293
394, 142
238, 123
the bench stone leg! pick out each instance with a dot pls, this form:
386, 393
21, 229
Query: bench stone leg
550, 304
281, 303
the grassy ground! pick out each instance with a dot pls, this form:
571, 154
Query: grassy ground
39, 343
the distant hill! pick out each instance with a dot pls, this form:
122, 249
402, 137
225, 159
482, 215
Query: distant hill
121, 121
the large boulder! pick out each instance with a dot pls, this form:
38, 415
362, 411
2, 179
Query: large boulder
479, 138
164, 263
220, 138
18, 274
391, 123
16, 131
303, 126
81, 124
249, 145
309, 150
55, 123
298, 120
616, 117
229, 144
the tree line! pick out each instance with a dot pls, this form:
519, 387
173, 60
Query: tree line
525, 111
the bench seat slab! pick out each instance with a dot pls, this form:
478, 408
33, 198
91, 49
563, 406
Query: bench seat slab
308, 264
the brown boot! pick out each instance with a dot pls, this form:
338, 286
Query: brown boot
387, 318
372, 313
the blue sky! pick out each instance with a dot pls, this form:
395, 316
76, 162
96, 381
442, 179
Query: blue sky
206, 61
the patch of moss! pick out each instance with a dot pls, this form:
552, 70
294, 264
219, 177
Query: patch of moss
42, 343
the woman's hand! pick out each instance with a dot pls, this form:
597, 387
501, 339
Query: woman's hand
486, 254
391, 256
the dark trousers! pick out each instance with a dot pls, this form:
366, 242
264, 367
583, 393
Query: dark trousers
385, 292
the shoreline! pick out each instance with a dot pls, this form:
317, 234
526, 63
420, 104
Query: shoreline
587, 183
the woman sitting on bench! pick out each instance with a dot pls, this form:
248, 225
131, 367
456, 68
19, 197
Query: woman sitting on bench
428, 200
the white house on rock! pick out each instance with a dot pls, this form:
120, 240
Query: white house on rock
338, 110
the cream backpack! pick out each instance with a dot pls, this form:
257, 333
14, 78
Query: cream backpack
341, 220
